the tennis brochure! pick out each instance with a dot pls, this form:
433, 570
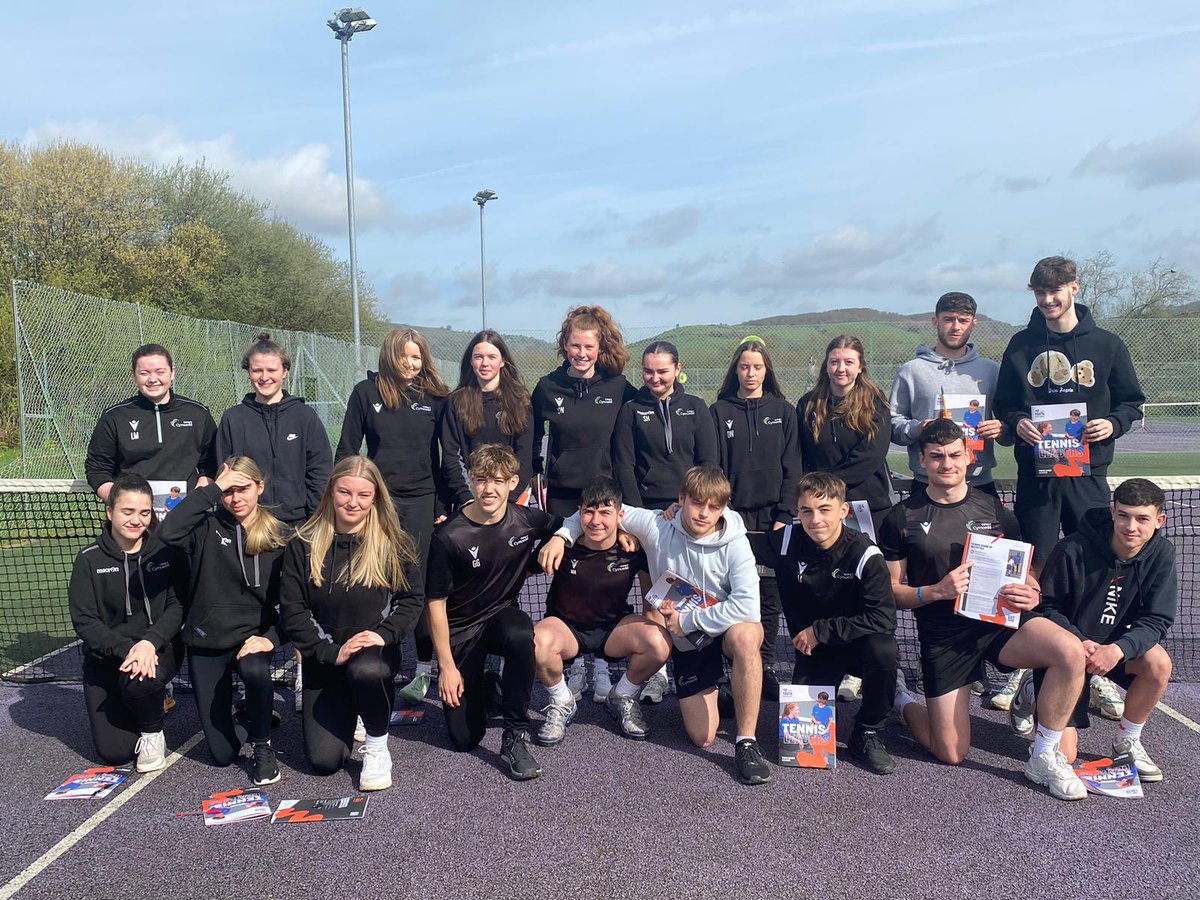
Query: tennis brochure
1061, 451
807, 726
92, 784
997, 562
331, 810
228, 807
676, 594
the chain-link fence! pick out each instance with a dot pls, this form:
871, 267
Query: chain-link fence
73, 361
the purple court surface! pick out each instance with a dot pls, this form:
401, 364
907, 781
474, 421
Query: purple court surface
610, 818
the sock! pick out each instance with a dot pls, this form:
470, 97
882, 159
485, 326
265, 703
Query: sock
903, 698
1044, 739
626, 689
745, 737
376, 743
601, 665
1131, 730
662, 671
560, 694
424, 668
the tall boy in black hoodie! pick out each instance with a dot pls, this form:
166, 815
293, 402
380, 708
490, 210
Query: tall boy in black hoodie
1113, 585
1062, 356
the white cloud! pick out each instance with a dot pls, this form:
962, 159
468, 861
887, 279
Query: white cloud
1171, 158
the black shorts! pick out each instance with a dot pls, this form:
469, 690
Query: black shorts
1080, 715
592, 638
697, 671
953, 654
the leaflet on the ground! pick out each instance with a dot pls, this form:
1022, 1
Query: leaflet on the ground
967, 411
807, 726
228, 807
997, 562
1112, 777
330, 810
412, 716
92, 784
676, 593
1061, 452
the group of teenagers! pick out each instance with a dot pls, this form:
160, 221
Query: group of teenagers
434, 530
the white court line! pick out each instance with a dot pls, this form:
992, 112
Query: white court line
46, 859
1173, 713
12, 673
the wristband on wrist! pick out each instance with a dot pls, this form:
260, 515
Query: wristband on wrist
920, 599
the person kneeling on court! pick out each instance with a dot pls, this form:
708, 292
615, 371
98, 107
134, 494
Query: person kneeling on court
922, 539
838, 603
478, 560
588, 611
350, 589
124, 601
704, 543
1113, 584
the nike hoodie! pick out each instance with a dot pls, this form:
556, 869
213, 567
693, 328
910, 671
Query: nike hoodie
760, 454
656, 441
1096, 596
915, 392
290, 446
1098, 371
170, 441
117, 598
721, 562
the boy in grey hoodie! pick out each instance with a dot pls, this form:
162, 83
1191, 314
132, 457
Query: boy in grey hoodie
704, 542
951, 366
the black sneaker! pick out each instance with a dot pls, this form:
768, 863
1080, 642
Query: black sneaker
770, 685
514, 753
266, 768
751, 767
867, 747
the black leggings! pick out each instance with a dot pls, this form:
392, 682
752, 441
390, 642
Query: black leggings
120, 708
416, 517
509, 634
335, 695
212, 683
768, 591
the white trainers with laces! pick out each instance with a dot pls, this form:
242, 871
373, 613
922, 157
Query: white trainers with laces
850, 689
656, 688
601, 685
1148, 769
1105, 699
1022, 706
151, 750
1003, 698
577, 681
376, 769
1052, 770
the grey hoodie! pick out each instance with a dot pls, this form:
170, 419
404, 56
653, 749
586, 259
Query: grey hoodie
915, 397
721, 562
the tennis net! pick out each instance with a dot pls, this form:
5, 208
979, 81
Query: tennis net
44, 523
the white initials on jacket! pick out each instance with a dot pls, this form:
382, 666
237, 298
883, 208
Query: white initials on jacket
133, 424
729, 426
474, 557
574, 563
558, 401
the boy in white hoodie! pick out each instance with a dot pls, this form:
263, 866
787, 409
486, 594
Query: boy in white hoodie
706, 544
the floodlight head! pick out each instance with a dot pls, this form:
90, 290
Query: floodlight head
484, 196
351, 21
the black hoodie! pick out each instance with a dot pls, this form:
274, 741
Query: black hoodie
1101, 374
656, 441
457, 446
859, 462
232, 595
581, 413
1090, 592
170, 441
760, 453
318, 620
290, 445
403, 442
117, 598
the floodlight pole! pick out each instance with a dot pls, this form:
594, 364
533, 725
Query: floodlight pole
482, 198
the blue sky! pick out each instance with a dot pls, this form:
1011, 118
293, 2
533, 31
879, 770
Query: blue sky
675, 162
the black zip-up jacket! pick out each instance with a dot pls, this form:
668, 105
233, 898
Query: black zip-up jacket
581, 413
844, 592
1099, 373
859, 462
403, 442
760, 453
170, 441
1094, 595
318, 620
117, 599
457, 446
290, 445
232, 595
655, 442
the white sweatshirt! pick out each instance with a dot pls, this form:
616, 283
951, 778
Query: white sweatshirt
722, 562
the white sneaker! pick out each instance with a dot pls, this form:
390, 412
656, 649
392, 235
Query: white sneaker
850, 689
299, 700
376, 769
1003, 698
601, 685
1148, 769
151, 750
1105, 699
656, 688
1022, 707
1052, 769
577, 681
360, 730
169, 698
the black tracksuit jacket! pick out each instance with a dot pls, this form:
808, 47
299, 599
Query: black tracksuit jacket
170, 441
859, 462
760, 453
655, 442
457, 446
